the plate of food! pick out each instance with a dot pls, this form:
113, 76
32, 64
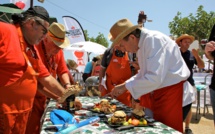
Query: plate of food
140, 114
104, 106
119, 119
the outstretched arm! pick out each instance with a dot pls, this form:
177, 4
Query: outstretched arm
52, 84
200, 62
46, 92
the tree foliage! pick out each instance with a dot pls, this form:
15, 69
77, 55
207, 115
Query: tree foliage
100, 39
198, 25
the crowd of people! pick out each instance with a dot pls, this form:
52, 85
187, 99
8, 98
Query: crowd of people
142, 68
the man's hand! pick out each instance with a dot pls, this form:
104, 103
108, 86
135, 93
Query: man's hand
118, 90
67, 85
135, 64
195, 53
74, 89
209, 48
77, 104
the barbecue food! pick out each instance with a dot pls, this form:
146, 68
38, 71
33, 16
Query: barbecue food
93, 91
104, 106
119, 117
74, 89
138, 113
92, 86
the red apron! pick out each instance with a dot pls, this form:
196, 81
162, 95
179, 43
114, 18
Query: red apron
118, 71
33, 126
16, 100
39, 104
166, 105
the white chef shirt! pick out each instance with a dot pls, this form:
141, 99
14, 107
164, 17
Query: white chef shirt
161, 64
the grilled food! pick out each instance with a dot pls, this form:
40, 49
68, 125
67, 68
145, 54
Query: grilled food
119, 117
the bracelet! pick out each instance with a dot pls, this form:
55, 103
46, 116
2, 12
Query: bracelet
66, 85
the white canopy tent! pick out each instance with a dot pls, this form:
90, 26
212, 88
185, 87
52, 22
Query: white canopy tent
87, 46
80, 52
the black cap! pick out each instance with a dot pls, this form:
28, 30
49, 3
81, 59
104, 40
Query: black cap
39, 12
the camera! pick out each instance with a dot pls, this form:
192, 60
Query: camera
119, 53
141, 17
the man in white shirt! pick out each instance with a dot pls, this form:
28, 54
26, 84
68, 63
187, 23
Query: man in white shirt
159, 82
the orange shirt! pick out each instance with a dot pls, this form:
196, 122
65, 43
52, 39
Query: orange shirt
12, 62
56, 62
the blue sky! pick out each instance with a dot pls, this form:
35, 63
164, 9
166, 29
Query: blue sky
99, 15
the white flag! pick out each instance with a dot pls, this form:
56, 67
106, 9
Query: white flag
22, 4
74, 29
76, 34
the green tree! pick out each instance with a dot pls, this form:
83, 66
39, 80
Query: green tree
86, 35
198, 25
100, 39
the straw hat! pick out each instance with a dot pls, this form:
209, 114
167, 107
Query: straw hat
72, 64
121, 29
57, 32
184, 36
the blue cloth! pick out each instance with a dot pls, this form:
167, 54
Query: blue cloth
58, 116
88, 67
200, 87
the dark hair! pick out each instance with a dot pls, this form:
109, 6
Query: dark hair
136, 33
35, 11
19, 18
95, 59
39, 12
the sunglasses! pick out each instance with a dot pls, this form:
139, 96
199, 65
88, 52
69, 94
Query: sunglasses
45, 31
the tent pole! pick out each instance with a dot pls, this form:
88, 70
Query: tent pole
32, 1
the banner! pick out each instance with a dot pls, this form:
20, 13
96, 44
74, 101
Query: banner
74, 29
22, 4
75, 34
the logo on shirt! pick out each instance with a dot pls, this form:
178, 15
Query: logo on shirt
115, 60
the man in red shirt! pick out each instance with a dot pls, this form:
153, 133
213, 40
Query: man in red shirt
51, 53
21, 68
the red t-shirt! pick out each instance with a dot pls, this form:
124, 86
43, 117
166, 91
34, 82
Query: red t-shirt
57, 62
97, 70
12, 61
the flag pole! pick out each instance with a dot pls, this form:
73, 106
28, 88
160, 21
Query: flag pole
32, 1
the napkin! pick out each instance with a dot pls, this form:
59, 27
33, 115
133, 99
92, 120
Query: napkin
61, 117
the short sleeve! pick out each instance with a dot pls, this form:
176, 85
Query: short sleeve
106, 58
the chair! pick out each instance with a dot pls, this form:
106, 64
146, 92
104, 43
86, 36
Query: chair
200, 87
